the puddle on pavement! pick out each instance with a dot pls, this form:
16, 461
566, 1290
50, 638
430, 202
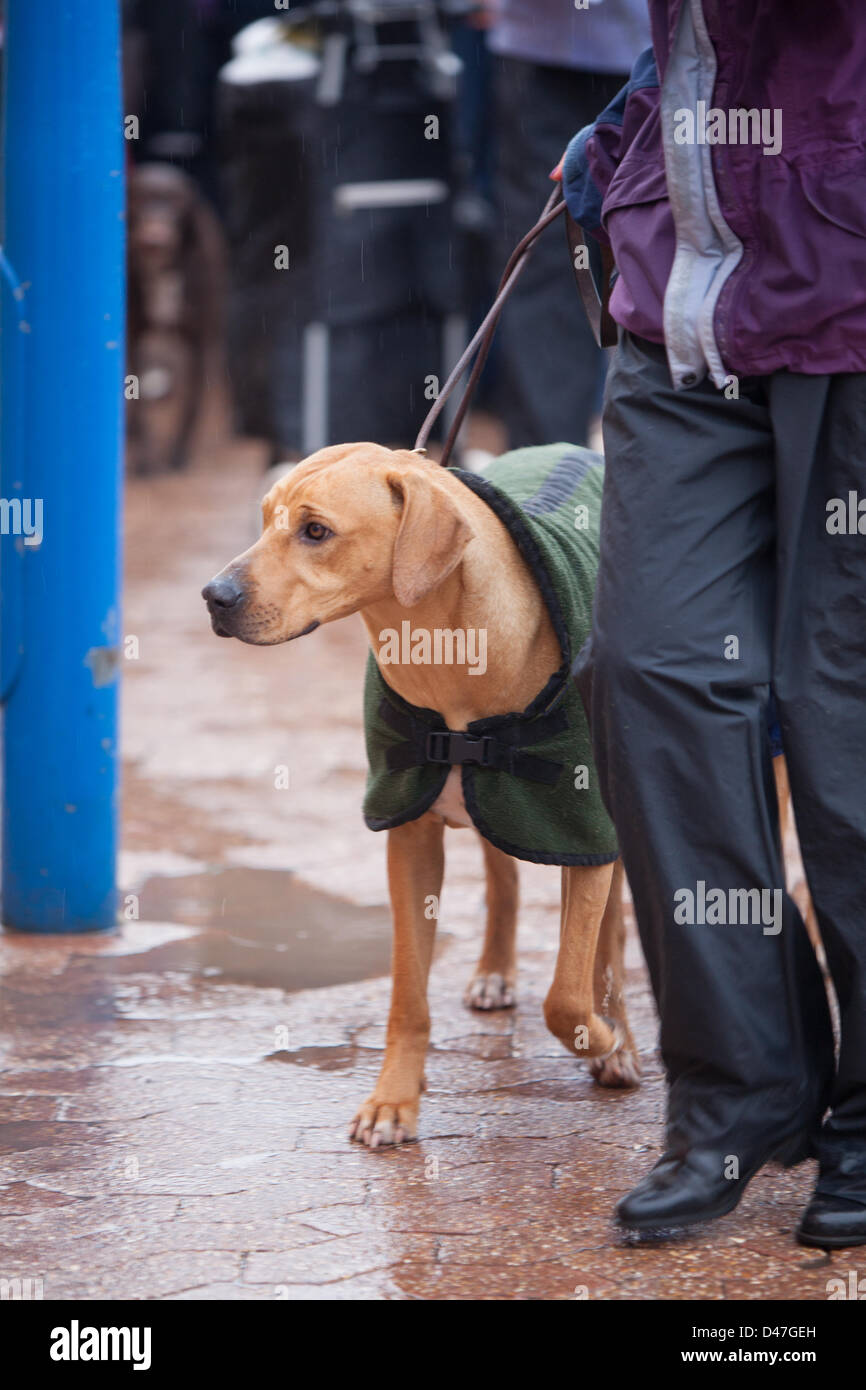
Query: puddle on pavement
264, 927
259, 927
343, 1057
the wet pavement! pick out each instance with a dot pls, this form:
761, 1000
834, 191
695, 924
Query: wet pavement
174, 1099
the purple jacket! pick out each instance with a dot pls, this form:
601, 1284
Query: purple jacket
767, 249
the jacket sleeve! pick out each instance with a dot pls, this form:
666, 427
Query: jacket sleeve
593, 155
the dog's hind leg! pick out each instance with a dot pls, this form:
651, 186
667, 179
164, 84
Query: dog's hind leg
569, 1009
416, 863
492, 985
800, 891
622, 1068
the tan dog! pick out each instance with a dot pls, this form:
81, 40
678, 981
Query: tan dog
359, 528
175, 315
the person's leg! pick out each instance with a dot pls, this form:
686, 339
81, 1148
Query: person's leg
676, 681
820, 679
549, 362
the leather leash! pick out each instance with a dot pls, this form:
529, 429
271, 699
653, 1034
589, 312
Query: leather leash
600, 320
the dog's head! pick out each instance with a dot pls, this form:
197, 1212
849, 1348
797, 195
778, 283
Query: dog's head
349, 527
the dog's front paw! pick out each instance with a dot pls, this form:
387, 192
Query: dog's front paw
621, 1070
491, 991
380, 1122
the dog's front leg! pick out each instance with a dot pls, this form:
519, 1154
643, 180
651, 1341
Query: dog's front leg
569, 1010
415, 866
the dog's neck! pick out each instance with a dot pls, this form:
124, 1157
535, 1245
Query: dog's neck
494, 606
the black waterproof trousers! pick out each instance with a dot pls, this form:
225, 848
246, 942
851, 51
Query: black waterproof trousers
722, 570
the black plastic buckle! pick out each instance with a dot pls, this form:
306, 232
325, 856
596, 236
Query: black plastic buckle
453, 746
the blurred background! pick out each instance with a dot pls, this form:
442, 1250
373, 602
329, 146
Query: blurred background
321, 198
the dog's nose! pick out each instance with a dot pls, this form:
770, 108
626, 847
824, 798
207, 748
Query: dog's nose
222, 592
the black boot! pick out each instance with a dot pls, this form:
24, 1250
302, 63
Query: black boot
700, 1184
832, 1223
836, 1215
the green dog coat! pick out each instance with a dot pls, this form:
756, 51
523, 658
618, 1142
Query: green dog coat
529, 782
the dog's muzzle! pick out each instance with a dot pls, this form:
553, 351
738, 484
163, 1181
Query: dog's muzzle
224, 597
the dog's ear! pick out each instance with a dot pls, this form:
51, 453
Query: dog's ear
431, 540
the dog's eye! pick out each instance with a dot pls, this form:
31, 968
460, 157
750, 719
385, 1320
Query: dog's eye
315, 531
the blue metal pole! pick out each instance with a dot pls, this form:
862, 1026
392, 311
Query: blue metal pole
60, 455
